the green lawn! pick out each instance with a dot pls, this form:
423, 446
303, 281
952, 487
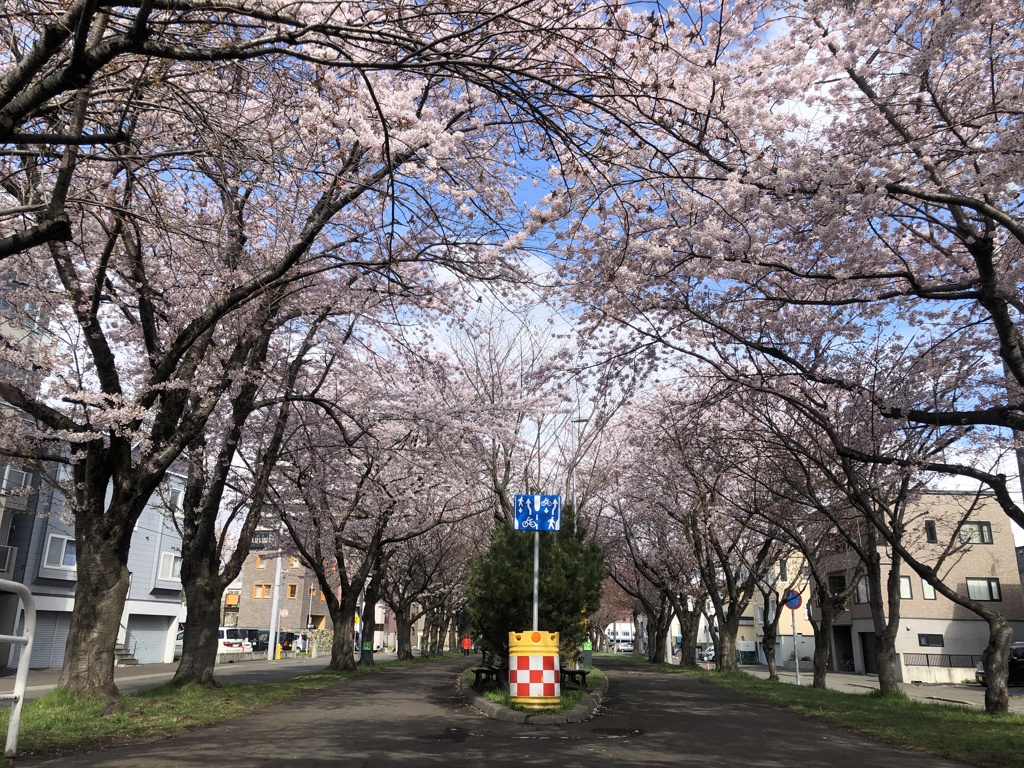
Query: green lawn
945, 730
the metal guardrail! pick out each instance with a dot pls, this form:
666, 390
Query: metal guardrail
945, 660
17, 699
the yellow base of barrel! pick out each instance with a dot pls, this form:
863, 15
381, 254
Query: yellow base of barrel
533, 703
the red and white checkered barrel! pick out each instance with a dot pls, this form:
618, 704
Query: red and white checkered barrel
533, 680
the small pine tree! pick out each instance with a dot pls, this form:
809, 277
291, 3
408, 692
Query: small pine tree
501, 585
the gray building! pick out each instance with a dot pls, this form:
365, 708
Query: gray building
39, 551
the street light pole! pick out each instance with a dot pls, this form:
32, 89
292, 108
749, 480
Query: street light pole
577, 428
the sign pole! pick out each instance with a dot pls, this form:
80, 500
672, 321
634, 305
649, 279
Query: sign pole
536, 576
794, 600
796, 652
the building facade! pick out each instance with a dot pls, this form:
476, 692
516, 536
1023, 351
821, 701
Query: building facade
39, 543
939, 640
301, 605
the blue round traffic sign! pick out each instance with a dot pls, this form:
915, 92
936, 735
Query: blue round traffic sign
793, 600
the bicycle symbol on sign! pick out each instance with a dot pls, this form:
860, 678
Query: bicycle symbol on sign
529, 522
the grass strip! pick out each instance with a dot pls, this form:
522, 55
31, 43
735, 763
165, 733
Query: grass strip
945, 730
568, 701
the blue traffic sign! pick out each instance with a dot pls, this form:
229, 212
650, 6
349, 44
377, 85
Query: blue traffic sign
537, 513
793, 599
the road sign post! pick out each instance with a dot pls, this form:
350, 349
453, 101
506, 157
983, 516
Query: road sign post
793, 600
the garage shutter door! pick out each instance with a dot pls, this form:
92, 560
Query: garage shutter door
50, 641
147, 638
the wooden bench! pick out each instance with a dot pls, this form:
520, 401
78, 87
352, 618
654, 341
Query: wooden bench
486, 676
574, 677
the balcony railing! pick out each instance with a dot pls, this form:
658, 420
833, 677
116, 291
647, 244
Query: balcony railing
946, 660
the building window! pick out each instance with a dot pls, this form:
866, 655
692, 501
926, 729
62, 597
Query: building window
927, 590
976, 533
60, 553
930, 641
261, 591
783, 571
312, 591
293, 591
860, 596
12, 479
906, 591
170, 567
261, 538
984, 590
930, 534
261, 561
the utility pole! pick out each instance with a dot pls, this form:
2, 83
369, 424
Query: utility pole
272, 640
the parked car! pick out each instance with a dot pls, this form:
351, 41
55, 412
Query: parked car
1016, 676
708, 654
229, 640
626, 647
179, 643
256, 639
286, 640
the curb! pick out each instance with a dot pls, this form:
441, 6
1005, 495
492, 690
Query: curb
583, 712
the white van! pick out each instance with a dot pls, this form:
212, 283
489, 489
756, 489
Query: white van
229, 640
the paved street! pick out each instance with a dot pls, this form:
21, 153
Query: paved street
144, 676
413, 716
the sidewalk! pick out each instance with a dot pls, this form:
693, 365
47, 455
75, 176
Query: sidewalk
964, 695
144, 676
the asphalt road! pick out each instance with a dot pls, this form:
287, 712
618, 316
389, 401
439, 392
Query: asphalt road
415, 716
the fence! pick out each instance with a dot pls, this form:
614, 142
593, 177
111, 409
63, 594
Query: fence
17, 699
946, 660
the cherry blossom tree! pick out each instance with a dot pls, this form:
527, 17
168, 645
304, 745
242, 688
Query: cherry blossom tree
372, 467
419, 569
853, 160
168, 179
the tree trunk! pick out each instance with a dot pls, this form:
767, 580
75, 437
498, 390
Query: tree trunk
437, 641
725, 650
689, 626
453, 635
403, 628
886, 627
200, 643
823, 642
103, 581
768, 643
369, 619
994, 659
342, 648
657, 634
428, 628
